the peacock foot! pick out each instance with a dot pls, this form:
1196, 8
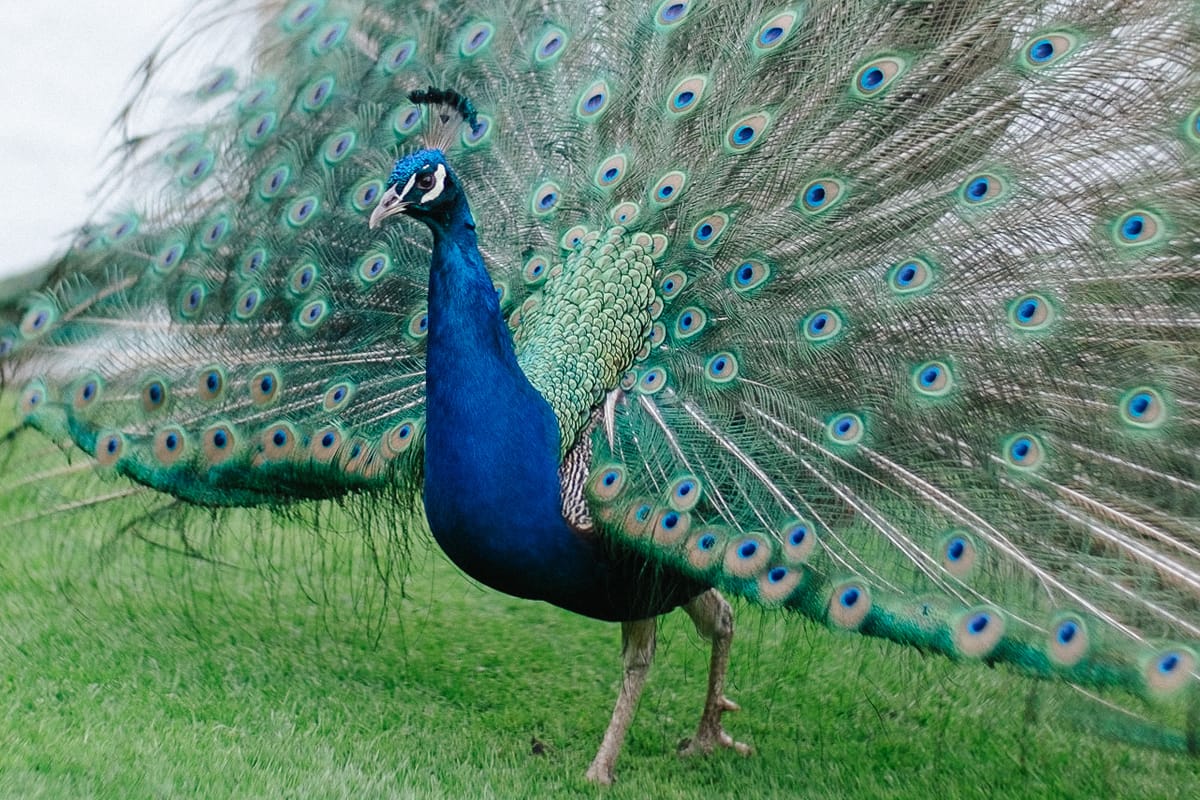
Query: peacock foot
600, 774
710, 735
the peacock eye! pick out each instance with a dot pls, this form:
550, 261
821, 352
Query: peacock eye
425, 181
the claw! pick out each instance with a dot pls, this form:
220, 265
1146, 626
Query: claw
711, 736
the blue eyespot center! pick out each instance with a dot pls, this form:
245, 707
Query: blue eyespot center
684, 99
743, 134
871, 78
477, 133
328, 439
674, 11
400, 56
777, 574
1132, 227
978, 623
1042, 51
594, 102
799, 534
956, 549
304, 13
747, 549
1140, 403
1067, 632
978, 189
1169, 663
850, 597
707, 542
279, 438
220, 439
770, 34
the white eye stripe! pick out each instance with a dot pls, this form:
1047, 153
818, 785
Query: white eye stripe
439, 176
411, 180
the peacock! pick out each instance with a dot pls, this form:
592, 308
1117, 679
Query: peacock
884, 313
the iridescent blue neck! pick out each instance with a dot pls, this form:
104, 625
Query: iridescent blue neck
491, 441
492, 491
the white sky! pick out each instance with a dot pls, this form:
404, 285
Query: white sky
64, 71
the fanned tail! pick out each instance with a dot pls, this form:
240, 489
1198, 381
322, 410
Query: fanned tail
924, 357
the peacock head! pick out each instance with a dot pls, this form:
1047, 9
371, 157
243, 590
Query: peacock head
421, 185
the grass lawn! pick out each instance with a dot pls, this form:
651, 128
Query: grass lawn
128, 671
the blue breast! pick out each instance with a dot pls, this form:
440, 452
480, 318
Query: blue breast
492, 493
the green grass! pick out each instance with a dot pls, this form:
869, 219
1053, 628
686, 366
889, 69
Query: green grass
127, 671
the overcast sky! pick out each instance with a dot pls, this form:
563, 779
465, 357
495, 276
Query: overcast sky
64, 69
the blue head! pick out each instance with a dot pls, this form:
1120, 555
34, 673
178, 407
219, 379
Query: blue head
421, 185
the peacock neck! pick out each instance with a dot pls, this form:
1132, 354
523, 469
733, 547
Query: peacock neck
491, 440
492, 491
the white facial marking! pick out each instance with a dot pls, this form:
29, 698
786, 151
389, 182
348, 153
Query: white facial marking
411, 180
439, 176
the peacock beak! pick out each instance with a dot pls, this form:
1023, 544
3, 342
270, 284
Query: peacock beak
389, 206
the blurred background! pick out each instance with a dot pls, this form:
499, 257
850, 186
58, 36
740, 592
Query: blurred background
65, 76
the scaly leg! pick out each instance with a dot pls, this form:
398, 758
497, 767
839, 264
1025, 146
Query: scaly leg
713, 618
637, 651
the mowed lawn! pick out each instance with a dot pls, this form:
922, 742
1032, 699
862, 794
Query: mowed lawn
130, 670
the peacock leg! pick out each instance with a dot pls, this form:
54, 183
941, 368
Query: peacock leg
637, 651
713, 618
